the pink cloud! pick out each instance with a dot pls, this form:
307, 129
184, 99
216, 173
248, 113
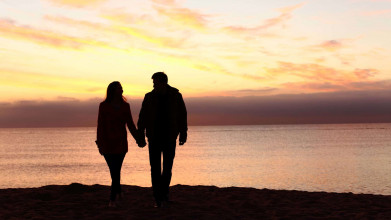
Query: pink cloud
165, 2
330, 45
76, 3
365, 73
286, 14
210, 67
315, 74
314, 86
377, 13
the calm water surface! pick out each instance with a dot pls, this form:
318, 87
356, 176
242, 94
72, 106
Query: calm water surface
334, 158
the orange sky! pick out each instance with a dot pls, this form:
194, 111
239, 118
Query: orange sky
57, 51
51, 49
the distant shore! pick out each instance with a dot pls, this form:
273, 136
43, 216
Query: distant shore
77, 201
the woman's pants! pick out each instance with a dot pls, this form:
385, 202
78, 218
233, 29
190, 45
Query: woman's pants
114, 161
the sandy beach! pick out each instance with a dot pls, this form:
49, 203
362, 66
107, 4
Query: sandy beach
77, 201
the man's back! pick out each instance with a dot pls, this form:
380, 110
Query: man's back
163, 114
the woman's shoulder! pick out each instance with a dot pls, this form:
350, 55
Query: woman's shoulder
104, 105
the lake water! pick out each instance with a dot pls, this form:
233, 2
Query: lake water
334, 158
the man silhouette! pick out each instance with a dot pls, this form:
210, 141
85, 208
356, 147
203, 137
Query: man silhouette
163, 116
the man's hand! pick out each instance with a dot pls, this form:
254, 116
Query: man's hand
182, 138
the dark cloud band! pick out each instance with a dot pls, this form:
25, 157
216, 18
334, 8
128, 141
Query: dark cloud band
338, 107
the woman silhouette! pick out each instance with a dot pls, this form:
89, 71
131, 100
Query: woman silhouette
114, 115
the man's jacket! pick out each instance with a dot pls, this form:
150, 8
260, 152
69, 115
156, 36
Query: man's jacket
176, 110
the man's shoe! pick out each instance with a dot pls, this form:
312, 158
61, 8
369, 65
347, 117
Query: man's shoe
112, 204
120, 195
166, 204
157, 204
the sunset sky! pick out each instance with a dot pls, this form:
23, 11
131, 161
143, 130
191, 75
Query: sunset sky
61, 50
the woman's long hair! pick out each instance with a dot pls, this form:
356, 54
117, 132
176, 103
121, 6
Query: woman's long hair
110, 95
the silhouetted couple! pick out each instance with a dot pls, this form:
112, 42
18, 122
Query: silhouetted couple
163, 116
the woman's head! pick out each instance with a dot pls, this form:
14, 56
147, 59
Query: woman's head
114, 91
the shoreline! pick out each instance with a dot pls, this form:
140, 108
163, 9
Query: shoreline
77, 201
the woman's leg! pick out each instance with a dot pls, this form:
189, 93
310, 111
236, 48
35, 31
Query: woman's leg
114, 161
118, 165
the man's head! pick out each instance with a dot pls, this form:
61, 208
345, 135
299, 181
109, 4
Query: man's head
160, 81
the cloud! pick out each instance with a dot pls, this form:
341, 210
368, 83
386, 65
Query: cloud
10, 29
375, 85
76, 3
183, 17
151, 38
250, 92
285, 15
337, 107
311, 72
165, 2
124, 17
331, 45
365, 73
290, 9
371, 85
62, 113
76, 23
138, 26
314, 86
121, 28
377, 12
215, 68
308, 71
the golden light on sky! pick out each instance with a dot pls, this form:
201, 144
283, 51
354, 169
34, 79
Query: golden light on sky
55, 49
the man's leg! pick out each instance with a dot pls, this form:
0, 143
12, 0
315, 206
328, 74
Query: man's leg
155, 162
168, 160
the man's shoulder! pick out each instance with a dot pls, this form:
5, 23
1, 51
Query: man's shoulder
173, 90
149, 94
103, 104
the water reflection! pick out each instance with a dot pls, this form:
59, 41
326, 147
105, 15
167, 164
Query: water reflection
338, 158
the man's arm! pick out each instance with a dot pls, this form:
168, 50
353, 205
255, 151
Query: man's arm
182, 121
141, 123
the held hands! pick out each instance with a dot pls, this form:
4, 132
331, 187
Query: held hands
140, 140
182, 138
141, 143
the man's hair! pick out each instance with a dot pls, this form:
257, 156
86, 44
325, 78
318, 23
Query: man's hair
161, 77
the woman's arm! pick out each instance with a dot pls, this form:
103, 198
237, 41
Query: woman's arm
130, 124
100, 128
